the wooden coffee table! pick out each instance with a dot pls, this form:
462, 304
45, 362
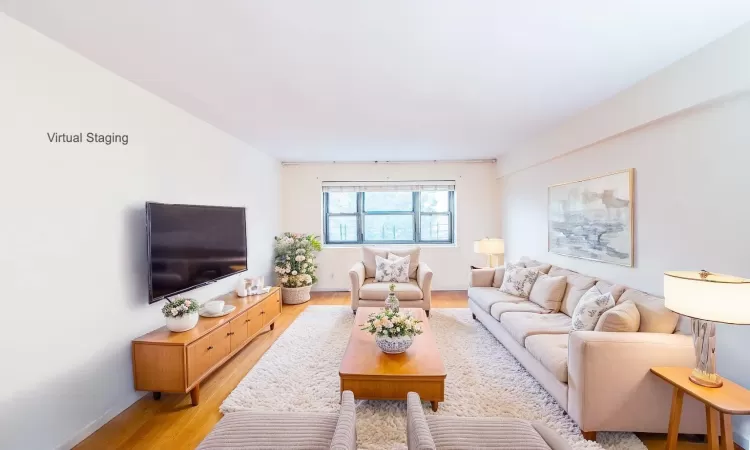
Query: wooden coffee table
373, 375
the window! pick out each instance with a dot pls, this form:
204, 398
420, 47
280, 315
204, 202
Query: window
389, 217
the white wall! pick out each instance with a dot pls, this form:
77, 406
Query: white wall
691, 182
72, 234
476, 217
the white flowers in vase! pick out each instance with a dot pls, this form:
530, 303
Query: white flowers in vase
295, 259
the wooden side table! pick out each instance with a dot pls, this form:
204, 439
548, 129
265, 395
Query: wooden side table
721, 403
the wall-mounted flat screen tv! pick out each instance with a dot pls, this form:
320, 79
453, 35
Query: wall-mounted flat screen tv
190, 246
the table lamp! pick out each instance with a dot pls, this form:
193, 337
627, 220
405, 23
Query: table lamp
707, 298
489, 247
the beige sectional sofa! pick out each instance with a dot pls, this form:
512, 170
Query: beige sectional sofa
600, 378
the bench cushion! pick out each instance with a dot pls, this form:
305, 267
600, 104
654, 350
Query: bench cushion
249, 430
484, 433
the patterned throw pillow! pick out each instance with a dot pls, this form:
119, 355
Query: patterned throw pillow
588, 310
519, 282
392, 271
392, 257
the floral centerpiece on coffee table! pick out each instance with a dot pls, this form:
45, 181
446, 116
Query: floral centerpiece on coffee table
394, 331
295, 266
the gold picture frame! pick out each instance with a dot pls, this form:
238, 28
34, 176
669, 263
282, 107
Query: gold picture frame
593, 218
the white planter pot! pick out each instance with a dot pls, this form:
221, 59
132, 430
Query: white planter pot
184, 323
295, 296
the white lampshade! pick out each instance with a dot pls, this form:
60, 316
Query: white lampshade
708, 296
489, 246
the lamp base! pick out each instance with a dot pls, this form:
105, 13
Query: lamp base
704, 341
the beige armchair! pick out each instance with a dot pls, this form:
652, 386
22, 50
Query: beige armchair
417, 293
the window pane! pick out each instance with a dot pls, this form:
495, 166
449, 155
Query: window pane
342, 202
388, 201
389, 228
434, 201
342, 228
435, 228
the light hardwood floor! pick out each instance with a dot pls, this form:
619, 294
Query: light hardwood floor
172, 423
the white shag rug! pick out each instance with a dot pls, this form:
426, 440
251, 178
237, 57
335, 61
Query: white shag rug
300, 373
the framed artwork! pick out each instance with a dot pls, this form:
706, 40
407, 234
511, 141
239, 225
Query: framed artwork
593, 218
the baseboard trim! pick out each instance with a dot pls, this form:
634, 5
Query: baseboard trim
89, 429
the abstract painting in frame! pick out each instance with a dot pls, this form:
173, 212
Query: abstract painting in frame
593, 218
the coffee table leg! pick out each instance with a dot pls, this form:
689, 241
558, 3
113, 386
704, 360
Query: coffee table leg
434, 405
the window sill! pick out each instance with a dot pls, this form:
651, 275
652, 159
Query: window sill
343, 246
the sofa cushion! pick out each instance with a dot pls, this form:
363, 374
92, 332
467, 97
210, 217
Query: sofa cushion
499, 276
481, 277
624, 317
548, 291
543, 267
577, 286
521, 325
485, 297
655, 317
556, 271
500, 308
615, 289
371, 290
369, 254
519, 281
254, 430
501, 433
552, 351
590, 308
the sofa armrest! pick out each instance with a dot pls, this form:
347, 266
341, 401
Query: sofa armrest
356, 279
610, 386
481, 277
424, 280
418, 434
345, 436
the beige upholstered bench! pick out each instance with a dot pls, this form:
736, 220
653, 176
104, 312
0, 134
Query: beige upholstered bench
249, 430
441, 432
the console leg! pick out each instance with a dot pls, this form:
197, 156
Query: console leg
589, 435
434, 405
156, 395
195, 394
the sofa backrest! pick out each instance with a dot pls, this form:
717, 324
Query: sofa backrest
369, 254
655, 317
577, 286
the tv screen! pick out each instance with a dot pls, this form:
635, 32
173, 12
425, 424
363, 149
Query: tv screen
189, 246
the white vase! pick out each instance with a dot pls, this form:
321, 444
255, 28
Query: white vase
184, 323
394, 345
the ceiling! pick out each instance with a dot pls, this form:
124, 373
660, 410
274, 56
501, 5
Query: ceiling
383, 80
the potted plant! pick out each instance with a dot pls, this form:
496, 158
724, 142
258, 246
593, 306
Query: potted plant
295, 265
394, 331
181, 314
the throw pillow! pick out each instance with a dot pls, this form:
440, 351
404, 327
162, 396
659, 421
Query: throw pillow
588, 310
394, 257
548, 292
622, 318
392, 271
519, 282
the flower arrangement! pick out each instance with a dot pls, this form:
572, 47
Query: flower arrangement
179, 307
295, 259
392, 324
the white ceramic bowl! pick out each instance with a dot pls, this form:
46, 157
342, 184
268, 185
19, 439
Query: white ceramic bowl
214, 307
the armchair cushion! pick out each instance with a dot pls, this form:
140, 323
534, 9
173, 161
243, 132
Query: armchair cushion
369, 254
413, 253
372, 290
